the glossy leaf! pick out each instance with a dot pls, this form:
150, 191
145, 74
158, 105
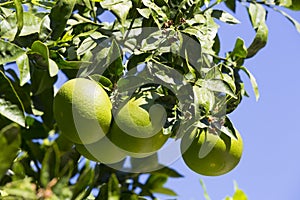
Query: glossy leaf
11, 106
240, 49
59, 16
119, 7
291, 19
258, 15
19, 15
10, 141
24, 69
224, 17
253, 82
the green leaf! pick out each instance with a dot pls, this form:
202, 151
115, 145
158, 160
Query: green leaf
258, 15
240, 49
224, 17
166, 171
24, 68
119, 7
59, 16
9, 52
206, 196
203, 98
42, 49
231, 4
145, 12
84, 180
11, 106
155, 8
165, 191
20, 189
216, 85
19, 14
292, 20
10, 141
155, 181
113, 188
50, 165
53, 68
253, 82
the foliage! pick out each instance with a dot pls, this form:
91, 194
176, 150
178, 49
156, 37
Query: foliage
47, 38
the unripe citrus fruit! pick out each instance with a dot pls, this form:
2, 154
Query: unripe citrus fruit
222, 158
82, 110
138, 130
103, 151
295, 5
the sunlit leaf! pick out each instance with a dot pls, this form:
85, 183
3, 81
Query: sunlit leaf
253, 82
19, 15
119, 7
225, 17
258, 16
24, 69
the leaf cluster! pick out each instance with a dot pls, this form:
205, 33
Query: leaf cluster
171, 47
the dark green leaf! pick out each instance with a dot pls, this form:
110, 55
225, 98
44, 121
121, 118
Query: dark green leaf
156, 181
224, 17
231, 4
50, 165
113, 188
11, 106
84, 180
10, 140
59, 16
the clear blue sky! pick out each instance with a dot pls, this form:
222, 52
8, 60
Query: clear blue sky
270, 166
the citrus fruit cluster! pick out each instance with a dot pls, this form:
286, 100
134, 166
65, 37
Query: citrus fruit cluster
83, 112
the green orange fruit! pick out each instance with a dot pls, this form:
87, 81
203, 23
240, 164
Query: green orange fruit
82, 110
136, 129
224, 154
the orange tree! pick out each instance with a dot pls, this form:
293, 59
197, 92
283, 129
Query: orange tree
168, 48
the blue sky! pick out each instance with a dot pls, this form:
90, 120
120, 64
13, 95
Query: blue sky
269, 168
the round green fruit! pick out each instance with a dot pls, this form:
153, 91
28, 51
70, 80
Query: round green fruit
224, 155
295, 5
137, 127
103, 151
82, 110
